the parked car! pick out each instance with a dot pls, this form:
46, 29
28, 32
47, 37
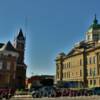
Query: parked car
48, 91
36, 94
6, 93
96, 90
58, 93
45, 91
85, 92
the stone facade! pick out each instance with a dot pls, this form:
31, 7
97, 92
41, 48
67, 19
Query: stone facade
82, 63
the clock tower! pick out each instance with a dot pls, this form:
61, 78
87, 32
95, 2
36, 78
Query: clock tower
21, 66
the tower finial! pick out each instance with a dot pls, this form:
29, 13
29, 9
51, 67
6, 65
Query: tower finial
95, 20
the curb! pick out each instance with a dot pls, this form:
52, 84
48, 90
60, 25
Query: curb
22, 96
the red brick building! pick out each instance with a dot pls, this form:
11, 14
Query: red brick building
12, 66
8, 58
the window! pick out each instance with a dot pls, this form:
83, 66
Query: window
87, 81
80, 72
14, 76
90, 72
90, 60
94, 59
65, 74
62, 75
90, 82
87, 73
69, 74
57, 65
99, 56
15, 66
96, 36
99, 81
1, 65
69, 64
76, 73
99, 36
72, 74
87, 61
94, 82
94, 72
65, 66
8, 65
80, 62
57, 74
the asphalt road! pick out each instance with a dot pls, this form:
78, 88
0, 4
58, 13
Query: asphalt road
60, 98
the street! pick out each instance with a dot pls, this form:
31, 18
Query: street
59, 98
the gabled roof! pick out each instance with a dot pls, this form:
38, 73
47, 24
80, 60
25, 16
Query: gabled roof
1, 44
74, 51
78, 48
8, 47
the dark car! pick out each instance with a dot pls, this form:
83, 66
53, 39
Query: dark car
96, 90
85, 92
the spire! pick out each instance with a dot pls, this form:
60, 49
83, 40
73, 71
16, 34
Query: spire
95, 21
20, 35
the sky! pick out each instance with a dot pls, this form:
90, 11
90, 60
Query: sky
50, 26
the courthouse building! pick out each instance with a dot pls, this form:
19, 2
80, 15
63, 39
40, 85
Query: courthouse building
82, 63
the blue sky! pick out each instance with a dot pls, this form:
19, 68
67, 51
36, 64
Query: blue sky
51, 27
